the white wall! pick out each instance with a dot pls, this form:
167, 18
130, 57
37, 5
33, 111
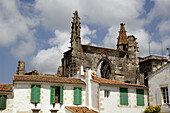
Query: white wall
95, 95
9, 103
112, 104
22, 96
156, 81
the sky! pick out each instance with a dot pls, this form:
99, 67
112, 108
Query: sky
38, 31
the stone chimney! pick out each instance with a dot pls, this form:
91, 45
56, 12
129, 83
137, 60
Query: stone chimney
21, 68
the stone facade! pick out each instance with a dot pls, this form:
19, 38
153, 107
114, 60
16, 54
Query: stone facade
148, 65
119, 64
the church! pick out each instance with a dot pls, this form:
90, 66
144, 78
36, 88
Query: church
76, 88
122, 64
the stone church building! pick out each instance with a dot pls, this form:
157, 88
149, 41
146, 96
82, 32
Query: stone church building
122, 87
121, 64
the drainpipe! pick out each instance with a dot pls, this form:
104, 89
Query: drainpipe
88, 77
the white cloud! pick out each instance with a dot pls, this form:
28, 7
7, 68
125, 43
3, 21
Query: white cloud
56, 14
86, 34
143, 39
23, 49
163, 27
160, 10
47, 60
110, 40
15, 31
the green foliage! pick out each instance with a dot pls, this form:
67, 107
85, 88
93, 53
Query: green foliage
153, 109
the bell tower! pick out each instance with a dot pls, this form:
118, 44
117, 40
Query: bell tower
122, 42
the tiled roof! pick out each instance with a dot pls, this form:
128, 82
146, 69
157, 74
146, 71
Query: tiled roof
43, 78
80, 110
6, 87
107, 81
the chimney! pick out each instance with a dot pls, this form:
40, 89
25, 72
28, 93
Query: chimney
21, 68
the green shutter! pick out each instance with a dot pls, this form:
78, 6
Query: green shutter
52, 97
38, 93
35, 93
123, 96
140, 97
80, 95
3, 101
61, 94
77, 95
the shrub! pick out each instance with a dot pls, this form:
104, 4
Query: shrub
153, 109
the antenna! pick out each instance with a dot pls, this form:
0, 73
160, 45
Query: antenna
168, 53
149, 49
162, 48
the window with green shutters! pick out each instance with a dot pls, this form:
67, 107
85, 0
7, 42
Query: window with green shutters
3, 101
123, 96
140, 97
35, 93
56, 94
77, 95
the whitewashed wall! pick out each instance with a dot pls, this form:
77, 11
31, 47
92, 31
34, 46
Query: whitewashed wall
9, 102
95, 95
112, 104
156, 81
22, 92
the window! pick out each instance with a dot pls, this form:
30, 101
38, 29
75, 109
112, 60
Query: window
140, 97
3, 101
77, 95
123, 96
35, 93
165, 95
106, 93
56, 94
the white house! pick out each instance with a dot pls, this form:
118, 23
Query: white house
159, 88
108, 96
85, 93
6, 98
46, 94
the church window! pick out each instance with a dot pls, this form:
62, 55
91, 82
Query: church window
35, 93
56, 94
123, 96
140, 97
3, 101
106, 93
165, 95
77, 95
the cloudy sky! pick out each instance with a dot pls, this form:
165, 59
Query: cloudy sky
38, 31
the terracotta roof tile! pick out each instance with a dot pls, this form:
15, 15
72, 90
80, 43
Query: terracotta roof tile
80, 110
43, 78
107, 81
6, 87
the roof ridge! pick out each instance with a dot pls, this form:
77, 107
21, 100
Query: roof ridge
108, 81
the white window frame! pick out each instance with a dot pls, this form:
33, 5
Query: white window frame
165, 95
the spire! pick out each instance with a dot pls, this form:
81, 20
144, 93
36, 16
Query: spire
122, 39
75, 27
